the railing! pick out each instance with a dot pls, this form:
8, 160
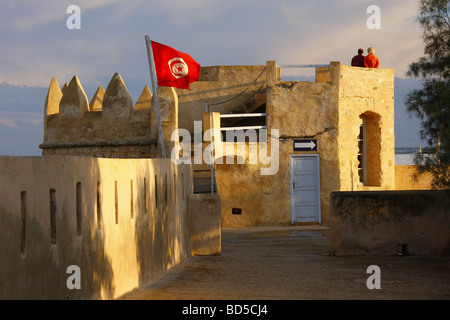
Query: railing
243, 115
305, 66
411, 150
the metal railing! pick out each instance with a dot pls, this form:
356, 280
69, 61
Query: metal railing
243, 115
413, 150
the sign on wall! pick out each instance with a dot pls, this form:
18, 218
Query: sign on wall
305, 145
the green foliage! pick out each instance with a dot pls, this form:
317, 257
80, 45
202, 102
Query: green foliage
439, 172
435, 21
432, 103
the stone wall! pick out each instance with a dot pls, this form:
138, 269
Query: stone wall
123, 222
329, 110
217, 84
378, 222
109, 125
306, 110
366, 94
404, 178
206, 230
297, 110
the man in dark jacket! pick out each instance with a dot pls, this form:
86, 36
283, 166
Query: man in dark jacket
358, 60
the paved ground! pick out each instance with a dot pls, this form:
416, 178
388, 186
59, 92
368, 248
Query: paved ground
292, 263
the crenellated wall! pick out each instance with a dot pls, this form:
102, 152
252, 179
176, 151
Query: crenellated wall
107, 126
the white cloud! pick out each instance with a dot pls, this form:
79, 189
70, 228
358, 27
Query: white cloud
8, 122
187, 13
16, 119
36, 44
30, 14
337, 30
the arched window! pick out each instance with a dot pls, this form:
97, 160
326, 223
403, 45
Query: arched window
369, 149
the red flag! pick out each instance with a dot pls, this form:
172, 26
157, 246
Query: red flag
174, 68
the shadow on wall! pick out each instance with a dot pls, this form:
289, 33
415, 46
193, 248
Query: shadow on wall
162, 238
98, 214
52, 232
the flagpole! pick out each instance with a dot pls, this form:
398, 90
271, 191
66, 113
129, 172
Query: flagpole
151, 62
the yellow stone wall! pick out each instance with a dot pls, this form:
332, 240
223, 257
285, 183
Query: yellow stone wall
297, 110
109, 125
404, 178
330, 111
368, 92
218, 84
123, 222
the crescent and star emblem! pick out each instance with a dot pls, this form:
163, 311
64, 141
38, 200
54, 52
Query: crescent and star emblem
178, 67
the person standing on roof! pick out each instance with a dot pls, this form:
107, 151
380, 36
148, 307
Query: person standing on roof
371, 60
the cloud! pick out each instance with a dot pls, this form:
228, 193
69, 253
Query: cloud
339, 29
20, 119
8, 122
36, 44
184, 13
30, 14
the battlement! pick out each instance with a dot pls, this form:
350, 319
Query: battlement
106, 126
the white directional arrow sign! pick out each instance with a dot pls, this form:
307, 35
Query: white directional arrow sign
305, 145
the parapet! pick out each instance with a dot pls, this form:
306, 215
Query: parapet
107, 126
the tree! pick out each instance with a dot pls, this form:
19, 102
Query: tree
432, 103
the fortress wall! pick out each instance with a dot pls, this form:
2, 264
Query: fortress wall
123, 222
411, 222
109, 125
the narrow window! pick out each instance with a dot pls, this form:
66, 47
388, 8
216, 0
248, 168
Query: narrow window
145, 196
116, 202
182, 186
156, 191
23, 221
79, 202
362, 152
165, 190
175, 188
99, 207
131, 199
53, 216
369, 149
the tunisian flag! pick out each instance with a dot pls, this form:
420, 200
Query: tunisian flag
174, 68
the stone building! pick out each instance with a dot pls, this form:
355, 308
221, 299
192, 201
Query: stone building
346, 115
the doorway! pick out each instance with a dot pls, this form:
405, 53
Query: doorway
305, 188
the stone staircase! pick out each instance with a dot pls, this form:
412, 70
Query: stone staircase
202, 178
202, 174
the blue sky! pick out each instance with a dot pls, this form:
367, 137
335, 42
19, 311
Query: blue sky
37, 45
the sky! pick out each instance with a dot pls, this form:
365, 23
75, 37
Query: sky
36, 44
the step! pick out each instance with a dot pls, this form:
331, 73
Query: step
201, 167
202, 174
203, 185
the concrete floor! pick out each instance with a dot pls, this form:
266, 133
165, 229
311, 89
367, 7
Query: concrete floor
292, 263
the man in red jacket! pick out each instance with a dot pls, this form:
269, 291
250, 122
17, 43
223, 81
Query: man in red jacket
371, 61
